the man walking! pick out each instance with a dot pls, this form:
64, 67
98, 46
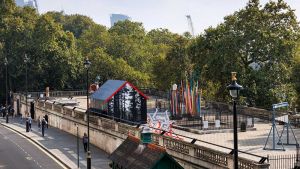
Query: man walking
27, 125
39, 123
85, 142
29, 122
44, 123
46, 118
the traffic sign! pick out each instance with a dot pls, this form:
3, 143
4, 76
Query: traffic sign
282, 104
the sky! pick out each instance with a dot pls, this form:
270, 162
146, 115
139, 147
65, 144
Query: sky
170, 14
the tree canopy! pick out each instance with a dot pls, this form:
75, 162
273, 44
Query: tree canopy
261, 43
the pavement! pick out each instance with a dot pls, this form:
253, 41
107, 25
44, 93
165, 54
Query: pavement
18, 152
60, 144
250, 141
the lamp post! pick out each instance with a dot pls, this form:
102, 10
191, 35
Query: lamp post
87, 65
6, 102
77, 144
26, 59
234, 89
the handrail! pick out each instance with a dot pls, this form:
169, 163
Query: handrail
208, 143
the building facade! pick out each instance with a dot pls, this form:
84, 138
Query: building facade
31, 3
114, 18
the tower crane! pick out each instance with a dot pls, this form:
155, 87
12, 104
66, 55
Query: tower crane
190, 24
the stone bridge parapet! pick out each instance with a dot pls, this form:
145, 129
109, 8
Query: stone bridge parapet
108, 134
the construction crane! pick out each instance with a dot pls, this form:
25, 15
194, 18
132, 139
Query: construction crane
36, 5
190, 24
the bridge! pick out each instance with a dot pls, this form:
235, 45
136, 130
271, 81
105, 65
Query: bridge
108, 134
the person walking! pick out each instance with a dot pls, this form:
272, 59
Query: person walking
46, 118
1, 110
29, 122
44, 123
27, 125
85, 142
39, 123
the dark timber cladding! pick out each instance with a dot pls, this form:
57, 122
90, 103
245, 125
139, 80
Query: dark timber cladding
133, 155
121, 100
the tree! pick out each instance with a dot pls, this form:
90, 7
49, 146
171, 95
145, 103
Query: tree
257, 42
175, 66
55, 58
76, 24
296, 75
129, 42
95, 37
107, 67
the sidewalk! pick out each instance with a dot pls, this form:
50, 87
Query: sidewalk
61, 144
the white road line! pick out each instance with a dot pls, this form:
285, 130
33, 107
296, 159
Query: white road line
36, 145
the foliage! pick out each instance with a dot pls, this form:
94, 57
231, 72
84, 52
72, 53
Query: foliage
259, 42
296, 75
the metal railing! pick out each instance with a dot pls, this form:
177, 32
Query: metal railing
55, 93
286, 161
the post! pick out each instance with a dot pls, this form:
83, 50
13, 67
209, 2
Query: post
88, 160
287, 133
77, 146
6, 102
26, 86
273, 126
6, 92
235, 136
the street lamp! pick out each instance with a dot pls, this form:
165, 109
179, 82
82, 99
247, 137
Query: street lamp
234, 90
87, 65
6, 91
26, 59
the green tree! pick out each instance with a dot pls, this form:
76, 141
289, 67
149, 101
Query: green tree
257, 42
296, 75
175, 66
95, 37
55, 59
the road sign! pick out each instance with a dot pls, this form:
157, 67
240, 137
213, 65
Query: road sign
278, 105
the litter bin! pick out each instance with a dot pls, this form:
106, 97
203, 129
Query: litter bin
243, 126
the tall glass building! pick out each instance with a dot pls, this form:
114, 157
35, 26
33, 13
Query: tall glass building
31, 3
114, 18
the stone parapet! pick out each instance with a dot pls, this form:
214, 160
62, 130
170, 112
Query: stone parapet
108, 134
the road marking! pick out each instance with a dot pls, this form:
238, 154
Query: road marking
29, 158
36, 145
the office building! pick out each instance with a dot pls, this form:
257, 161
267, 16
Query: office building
114, 18
31, 3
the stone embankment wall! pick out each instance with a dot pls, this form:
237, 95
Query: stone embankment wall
108, 134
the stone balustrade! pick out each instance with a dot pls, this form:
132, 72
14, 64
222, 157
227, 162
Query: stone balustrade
108, 134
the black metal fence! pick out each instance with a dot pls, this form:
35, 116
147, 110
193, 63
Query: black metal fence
287, 161
215, 121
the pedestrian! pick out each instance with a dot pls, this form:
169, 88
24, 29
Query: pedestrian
27, 125
1, 108
44, 122
6, 116
85, 142
3, 111
46, 118
29, 122
21, 119
39, 123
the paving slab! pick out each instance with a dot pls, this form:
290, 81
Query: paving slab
250, 141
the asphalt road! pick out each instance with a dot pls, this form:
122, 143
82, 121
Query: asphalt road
17, 152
